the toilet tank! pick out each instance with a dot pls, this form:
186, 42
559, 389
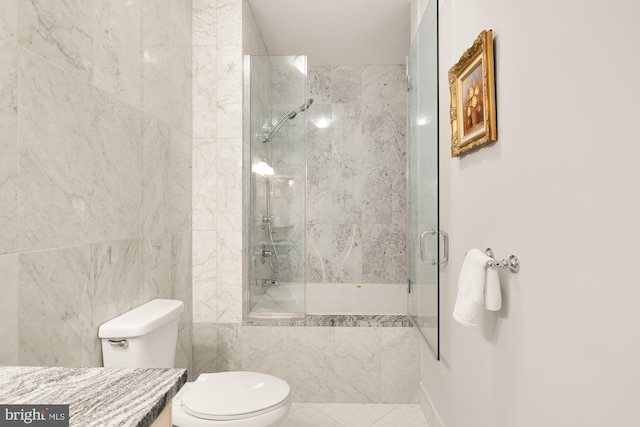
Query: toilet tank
144, 337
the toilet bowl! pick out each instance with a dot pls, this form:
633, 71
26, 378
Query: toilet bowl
146, 337
232, 399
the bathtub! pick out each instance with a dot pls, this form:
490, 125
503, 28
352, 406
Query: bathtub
333, 298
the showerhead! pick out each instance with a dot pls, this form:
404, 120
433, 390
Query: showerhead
289, 116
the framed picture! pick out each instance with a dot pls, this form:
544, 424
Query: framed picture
473, 99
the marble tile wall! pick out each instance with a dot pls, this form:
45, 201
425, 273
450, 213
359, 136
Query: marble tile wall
356, 183
223, 30
96, 153
321, 364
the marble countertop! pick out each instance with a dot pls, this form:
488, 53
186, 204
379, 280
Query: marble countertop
96, 396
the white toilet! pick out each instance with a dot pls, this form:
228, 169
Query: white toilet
146, 337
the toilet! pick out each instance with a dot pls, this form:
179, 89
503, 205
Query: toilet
146, 337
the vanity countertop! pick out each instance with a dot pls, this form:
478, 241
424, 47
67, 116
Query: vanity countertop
96, 396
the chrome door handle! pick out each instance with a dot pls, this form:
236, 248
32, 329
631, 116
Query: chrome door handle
445, 246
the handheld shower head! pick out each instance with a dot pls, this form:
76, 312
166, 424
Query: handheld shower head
289, 116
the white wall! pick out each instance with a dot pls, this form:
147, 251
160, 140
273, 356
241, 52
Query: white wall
560, 190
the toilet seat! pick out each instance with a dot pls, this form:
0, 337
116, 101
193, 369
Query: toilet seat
226, 396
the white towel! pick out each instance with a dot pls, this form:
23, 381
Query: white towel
477, 285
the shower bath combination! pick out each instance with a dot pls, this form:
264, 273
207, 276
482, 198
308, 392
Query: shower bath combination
268, 217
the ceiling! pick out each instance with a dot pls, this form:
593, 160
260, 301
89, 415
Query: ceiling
336, 32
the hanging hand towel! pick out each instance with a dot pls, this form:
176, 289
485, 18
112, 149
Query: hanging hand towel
471, 288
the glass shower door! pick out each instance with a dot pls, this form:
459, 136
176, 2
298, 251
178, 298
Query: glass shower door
423, 234
277, 144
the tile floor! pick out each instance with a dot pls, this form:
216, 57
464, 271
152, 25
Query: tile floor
354, 415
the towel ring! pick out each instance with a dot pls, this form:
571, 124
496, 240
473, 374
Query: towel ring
513, 263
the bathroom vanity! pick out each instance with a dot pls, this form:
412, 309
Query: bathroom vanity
97, 396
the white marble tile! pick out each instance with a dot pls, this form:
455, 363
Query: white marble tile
334, 253
55, 308
205, 350
180, 182
400, 361
267, 349
307, 415
354, 415
358, 364
9, 144
156, 140
117, 49
117, 193
184, 350
166, 72
229, 22
229, 276
229, 347
319, 81
403, 415
384, 253
10, 268
377, 186
9, 19
156, 267
60, 31
204, 91
229, 184
229, 80
205, 22
56, 162
311, 373
181, 276
205, 178
346, 84
384, 90
204, 276
116, 275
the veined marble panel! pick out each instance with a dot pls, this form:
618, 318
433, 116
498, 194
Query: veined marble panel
184, 350
384, 89
319, 83
204, 276
9, 143
267, 350
55, 308
117, 193
9, 19
10, 268
384, 253
205, 350
156, 267
229, 80
166, 51
376, 192
358, 364
56, 162
229, 22
181, 276
60, 31
229, 184
179, 190
204, 91
229, 347
156, 140
338, 320
334, 253
311, 373
205, 22
229, 276
117, 49
205, 178
116, 279
400, 361
346, 84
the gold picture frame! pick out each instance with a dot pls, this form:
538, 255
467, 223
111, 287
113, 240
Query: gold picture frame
473, 99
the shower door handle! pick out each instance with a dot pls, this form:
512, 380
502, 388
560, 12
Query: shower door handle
445, 247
